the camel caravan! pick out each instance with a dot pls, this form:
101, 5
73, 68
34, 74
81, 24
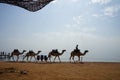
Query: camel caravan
46, 58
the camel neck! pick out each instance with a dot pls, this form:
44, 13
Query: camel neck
22, 52
61, 52
84, 53
37, 53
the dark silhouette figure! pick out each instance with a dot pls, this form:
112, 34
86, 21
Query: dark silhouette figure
76, 49
45, 58
38, 57
9, 56
41, 58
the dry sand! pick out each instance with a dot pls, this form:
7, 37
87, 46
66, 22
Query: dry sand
60, 71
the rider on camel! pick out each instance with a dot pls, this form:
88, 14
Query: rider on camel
77, 50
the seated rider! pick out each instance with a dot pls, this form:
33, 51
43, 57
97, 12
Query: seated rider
77, 50
77, 47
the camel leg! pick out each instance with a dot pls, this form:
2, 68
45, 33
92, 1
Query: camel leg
30, 58
70, 59
73, 58
24, 58
17, 58
59, 58
35, 59
13, 58
27, 58
54, 58
10, 57
49, 58
79, 58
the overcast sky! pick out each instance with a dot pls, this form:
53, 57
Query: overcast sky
92, 24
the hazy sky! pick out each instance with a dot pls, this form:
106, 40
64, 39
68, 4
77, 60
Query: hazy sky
92, 24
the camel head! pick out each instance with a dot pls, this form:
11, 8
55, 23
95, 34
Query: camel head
86, 51
38, 52
63, 50
24, 50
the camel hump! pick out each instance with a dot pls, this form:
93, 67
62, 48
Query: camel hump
31, 51
55, 50
16, 50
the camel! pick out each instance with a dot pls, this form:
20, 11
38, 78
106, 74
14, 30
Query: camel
78, 53
16, 53
56, 54
32, 54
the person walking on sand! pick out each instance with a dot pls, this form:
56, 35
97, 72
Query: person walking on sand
41, 58
38, 58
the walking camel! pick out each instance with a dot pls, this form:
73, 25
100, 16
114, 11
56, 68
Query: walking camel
56, 54
78, 53
31, 54
16, 52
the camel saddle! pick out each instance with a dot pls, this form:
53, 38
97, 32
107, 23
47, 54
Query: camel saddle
31, 52
76, 50
55, 51
16, 50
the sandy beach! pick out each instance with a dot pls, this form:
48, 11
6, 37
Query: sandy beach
60, 71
